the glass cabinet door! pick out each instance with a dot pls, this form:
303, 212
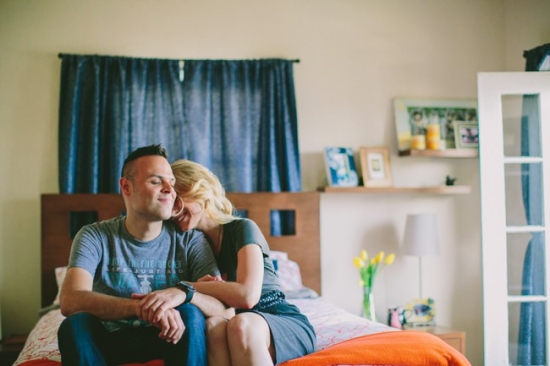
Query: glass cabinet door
514, 151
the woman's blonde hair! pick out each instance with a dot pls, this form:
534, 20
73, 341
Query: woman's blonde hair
196, 183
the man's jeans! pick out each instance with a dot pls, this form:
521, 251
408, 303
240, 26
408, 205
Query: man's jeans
83, 340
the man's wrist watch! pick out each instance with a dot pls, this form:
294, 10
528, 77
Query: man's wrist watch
189, 291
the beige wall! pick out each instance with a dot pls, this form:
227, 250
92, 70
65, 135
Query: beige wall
356, 55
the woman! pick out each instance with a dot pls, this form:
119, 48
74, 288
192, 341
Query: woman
266, 329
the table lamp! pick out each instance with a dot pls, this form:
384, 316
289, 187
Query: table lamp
421, 239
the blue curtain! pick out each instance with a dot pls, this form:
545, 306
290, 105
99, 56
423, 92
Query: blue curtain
236, 117
241, 122
532, 334
108, 107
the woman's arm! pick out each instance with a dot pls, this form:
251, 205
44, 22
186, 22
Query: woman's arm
245, 292
153, 306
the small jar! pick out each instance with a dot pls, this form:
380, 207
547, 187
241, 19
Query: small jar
418, 142
433, 136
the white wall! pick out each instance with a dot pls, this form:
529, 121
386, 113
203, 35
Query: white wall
356, 55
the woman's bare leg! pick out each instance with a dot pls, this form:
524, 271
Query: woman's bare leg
216, 338
249, 340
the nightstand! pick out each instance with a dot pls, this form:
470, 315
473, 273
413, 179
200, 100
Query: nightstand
10, 349
455, 338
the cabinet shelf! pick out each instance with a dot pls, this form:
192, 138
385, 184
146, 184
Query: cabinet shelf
449, 153
429, 190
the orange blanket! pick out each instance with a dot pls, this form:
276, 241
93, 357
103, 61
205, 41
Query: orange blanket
389, 348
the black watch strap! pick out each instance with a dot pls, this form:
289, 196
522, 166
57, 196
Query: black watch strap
189, 291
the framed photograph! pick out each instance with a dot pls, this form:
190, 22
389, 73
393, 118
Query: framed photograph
420, 312
466, 135
413, 115
375, 166
340, 167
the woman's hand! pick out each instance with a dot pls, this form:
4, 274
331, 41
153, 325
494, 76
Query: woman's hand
209, 278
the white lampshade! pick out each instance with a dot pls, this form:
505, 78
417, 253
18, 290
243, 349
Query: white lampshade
421, 236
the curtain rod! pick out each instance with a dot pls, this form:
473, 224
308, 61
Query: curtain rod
61, 55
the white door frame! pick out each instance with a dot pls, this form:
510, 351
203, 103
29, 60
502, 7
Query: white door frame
491, 88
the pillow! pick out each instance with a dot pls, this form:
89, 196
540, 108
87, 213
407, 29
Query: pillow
289, 274
287, 270
303, 293
60, 273
278, 255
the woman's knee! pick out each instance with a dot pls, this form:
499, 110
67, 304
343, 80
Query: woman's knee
216, 324
246, 326
216, 330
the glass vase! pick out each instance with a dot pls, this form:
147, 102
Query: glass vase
368, 304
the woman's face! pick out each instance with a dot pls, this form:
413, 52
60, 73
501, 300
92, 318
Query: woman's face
190, 216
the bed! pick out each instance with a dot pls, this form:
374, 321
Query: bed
342, 338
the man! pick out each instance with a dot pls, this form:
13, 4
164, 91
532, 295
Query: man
123, 294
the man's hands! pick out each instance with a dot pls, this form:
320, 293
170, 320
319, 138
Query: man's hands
157, 308
171, 326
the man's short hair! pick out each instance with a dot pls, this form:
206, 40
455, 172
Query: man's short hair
156, 150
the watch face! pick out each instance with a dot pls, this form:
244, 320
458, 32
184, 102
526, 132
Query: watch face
189, 291
185, 286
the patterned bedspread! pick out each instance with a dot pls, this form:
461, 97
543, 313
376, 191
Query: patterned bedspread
332, 325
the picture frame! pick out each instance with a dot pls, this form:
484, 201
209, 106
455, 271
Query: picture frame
340, 167
420, 312
413, 115
375, 166
466, 135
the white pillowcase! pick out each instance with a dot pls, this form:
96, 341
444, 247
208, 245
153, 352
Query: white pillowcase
287, 270
60, 273
278, 255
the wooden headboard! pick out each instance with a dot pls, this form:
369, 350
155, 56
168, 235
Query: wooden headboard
303, 247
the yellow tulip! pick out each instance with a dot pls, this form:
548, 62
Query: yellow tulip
390, 258
368, 268
378, 258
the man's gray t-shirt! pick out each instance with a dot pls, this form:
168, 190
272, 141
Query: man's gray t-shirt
122, 265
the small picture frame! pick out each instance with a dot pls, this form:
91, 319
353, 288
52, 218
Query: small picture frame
375, 166
420, 312
466, 135
340, 167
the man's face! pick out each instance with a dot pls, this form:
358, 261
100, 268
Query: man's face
150, 193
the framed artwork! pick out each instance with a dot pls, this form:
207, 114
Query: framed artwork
340, 167
466, 135
375, 166
413, 115
420, 312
